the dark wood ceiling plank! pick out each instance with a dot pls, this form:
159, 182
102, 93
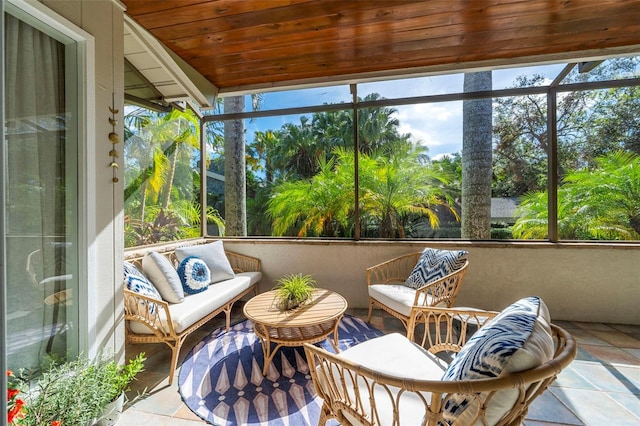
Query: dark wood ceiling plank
593, 30
208, 14
253, 73
359, 34
264, 42
142, 7
176, 26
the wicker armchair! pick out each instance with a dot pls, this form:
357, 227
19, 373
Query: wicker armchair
368, 393
401, 301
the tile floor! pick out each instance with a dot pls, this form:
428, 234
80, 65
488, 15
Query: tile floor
601, 386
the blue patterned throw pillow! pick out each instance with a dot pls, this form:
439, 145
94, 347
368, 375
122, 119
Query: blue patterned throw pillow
194, 274
435, 264
132, 270
144, 287
517, 339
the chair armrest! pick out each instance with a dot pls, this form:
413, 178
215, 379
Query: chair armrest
137, 308
392, 271
448, 329
243, 263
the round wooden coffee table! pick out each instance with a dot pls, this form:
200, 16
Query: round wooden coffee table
309, 323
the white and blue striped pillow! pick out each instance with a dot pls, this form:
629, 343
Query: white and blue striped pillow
144, 287
132, 270
517, 339
435, 264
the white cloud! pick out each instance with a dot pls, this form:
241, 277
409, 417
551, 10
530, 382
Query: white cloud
436, 126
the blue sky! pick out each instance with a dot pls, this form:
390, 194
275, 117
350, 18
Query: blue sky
436, 125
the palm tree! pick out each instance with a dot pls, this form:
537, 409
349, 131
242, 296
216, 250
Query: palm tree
318, 206
598, 203
235, 200
298, 152
391, 189
396, 187
180, 131
608, 196
160, 148
476, 159
378, 127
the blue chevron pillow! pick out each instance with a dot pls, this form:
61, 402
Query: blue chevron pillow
517, 339
435, 264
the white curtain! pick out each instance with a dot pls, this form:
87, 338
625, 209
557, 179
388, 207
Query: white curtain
37, 201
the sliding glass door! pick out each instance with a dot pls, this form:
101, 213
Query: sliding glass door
40, 180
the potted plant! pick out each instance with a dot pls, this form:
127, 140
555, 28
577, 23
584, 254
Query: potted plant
118, 379
293, 290
71, 393
76, 392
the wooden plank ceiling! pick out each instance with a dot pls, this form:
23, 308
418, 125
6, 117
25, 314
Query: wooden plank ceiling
248, 45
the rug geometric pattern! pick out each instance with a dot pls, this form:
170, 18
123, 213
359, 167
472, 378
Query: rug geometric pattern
221, 378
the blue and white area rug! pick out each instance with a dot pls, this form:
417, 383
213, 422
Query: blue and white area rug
221, 379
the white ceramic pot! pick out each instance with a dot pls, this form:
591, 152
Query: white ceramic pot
112, 412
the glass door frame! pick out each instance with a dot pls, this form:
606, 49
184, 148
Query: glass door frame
80, 94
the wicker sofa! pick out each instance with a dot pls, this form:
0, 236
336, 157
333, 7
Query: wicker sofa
151, 320
394, 380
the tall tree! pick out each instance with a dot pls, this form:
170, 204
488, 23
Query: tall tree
235, 200
476, 159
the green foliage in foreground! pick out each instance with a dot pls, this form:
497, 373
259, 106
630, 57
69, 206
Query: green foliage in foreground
76, 392
599, 203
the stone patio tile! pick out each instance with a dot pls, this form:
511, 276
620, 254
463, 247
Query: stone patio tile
547, 408
630, 402
610, 378
612, 355
592, 326
584, 337
570, 378
595, 408
626, 328
617, 338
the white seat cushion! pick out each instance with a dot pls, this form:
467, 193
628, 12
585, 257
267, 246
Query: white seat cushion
196, 306
395, 355
398, 297
254, 276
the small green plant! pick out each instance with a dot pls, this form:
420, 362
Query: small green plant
293, 290
120, 376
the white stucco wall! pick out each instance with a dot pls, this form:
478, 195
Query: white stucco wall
578, 282
103, 19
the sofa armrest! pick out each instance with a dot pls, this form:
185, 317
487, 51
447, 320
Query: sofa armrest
447, 329
137, 307
396, 270
243, 263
